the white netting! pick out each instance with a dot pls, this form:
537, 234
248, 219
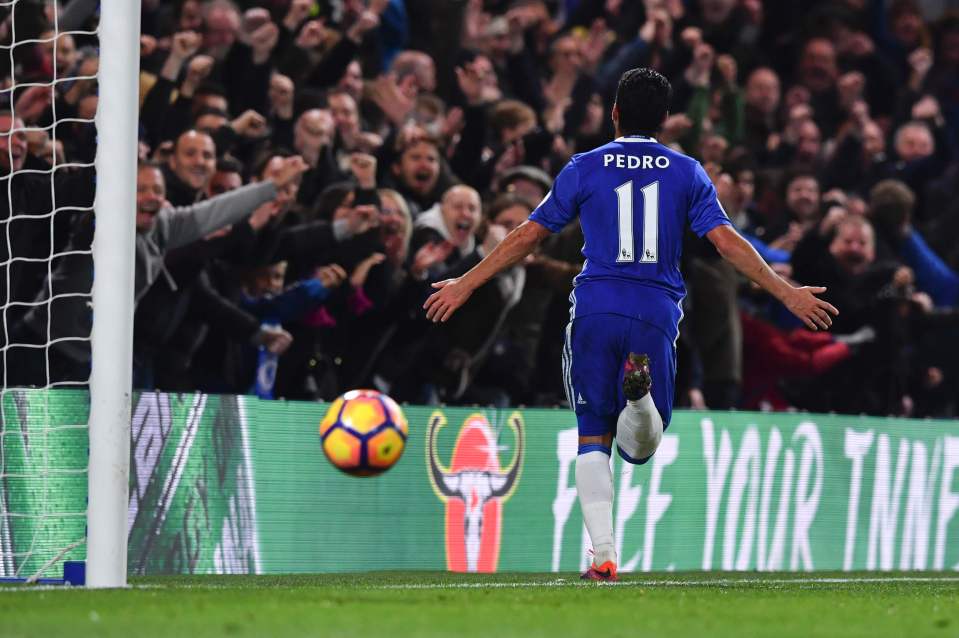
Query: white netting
47, 142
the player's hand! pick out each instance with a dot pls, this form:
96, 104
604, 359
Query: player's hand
816, 313
451, 294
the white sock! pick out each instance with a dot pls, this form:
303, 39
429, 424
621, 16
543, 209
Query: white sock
639, 428
594, 485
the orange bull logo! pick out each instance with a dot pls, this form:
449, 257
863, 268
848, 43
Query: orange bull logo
474, 488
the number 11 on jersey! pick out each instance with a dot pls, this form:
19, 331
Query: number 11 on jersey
624, 196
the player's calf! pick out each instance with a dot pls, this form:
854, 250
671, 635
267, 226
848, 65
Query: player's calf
594, 486
639, 428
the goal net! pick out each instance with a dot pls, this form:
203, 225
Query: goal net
67, 164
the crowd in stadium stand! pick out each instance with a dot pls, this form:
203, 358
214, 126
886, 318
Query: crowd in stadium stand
429, 129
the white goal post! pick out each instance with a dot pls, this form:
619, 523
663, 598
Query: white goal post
113, 256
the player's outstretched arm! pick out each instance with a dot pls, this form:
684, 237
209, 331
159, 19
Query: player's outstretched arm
801, 300
453, 293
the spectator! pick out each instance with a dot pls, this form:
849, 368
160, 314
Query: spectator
800, 213
799, 115
873, 293
190, 168
860, 159
417, 173
313, 136
762, 101
159, 229
818, 74
453, 221
891, 205
265, 297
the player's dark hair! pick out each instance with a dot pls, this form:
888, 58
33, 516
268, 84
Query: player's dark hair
643, 97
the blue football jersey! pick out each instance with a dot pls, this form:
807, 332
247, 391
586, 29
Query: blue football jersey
634, 198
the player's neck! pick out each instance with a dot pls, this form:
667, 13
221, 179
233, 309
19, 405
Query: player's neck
621, 134
634, 137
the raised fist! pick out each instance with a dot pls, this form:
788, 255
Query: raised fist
185, 44
363, 167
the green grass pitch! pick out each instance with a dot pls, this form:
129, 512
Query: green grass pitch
400, 604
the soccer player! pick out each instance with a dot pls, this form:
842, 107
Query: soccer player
634, 198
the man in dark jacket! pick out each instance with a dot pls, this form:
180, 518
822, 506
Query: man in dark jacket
36, 202
159, 229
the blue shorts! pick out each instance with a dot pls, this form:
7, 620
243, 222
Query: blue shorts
593, 359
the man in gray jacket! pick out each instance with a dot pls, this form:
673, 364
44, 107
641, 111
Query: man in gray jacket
160, 228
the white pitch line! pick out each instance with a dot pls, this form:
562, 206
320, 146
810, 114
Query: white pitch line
12, 588
719, 582
559, 582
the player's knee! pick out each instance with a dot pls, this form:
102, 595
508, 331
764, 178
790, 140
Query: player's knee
634, 461
586, 448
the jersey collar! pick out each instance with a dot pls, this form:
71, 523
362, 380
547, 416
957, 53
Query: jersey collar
636, 138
